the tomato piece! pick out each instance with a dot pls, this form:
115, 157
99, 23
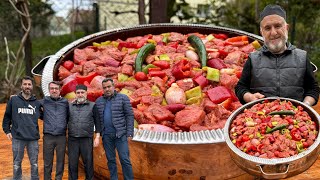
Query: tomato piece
305, 145
68, 65
162, 64
140, 76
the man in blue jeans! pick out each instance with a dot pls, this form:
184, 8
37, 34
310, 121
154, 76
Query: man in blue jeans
20, 123
117, 126
55, 116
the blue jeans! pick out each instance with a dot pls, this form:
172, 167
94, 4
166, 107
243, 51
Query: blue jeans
110, 143
18, 153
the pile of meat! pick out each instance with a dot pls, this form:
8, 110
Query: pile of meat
165, 102
274, 129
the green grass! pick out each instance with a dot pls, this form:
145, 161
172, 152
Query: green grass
41, 47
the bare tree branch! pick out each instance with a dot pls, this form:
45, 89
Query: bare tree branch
8, 60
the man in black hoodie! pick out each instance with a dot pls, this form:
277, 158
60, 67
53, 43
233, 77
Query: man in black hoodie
55, 115
20, 123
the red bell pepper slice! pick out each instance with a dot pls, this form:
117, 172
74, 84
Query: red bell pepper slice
216, 63
295, 134
237, 39
162, 64
153, 69
181, 69
218, 94
160, 74
222, 53
238, 74
69, 87
126, 45
81, 79
173, 44
220, 36
201, 81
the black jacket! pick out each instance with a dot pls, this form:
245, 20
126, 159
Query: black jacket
83, 118
55, 115
122, 113
21, 118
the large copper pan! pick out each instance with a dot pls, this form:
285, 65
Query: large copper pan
188, 155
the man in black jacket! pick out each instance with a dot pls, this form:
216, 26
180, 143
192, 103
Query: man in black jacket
278, 68
83, 118
55, 114
20, 123
117, 126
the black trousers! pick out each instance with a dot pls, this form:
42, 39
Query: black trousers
51, 143
80, 146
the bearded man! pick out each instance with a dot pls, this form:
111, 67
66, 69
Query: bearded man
278, 69
83, 119
20, 123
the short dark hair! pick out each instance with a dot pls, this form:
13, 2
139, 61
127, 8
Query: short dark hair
108, 79
54, 82
82, 87
27, 78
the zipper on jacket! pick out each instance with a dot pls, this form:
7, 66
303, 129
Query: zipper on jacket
278, 76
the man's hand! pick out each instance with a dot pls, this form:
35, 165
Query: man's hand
248, 97
96, 140
9, 136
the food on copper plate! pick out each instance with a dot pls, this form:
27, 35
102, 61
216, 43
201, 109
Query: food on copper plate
182, 81
275, 129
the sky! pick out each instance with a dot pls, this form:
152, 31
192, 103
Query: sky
62, 7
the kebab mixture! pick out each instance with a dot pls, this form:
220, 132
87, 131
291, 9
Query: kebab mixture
175, 82
275, 129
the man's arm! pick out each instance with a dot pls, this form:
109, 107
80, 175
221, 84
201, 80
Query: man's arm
128, 112
7, 119
243, 85
311, 87
97, 124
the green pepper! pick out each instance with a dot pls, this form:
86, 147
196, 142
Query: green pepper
141, 56
198, 45
213, 74
299, 146
126, 91
194, 100
194, 92
285, 112
145, 69
269, 130
164, 57
122, 77
156, 91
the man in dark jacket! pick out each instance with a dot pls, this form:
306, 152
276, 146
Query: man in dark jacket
278, 68
20, 123
117, 126
55, 114
83, 118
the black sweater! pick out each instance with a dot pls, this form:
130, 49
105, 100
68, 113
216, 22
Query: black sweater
21, 118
